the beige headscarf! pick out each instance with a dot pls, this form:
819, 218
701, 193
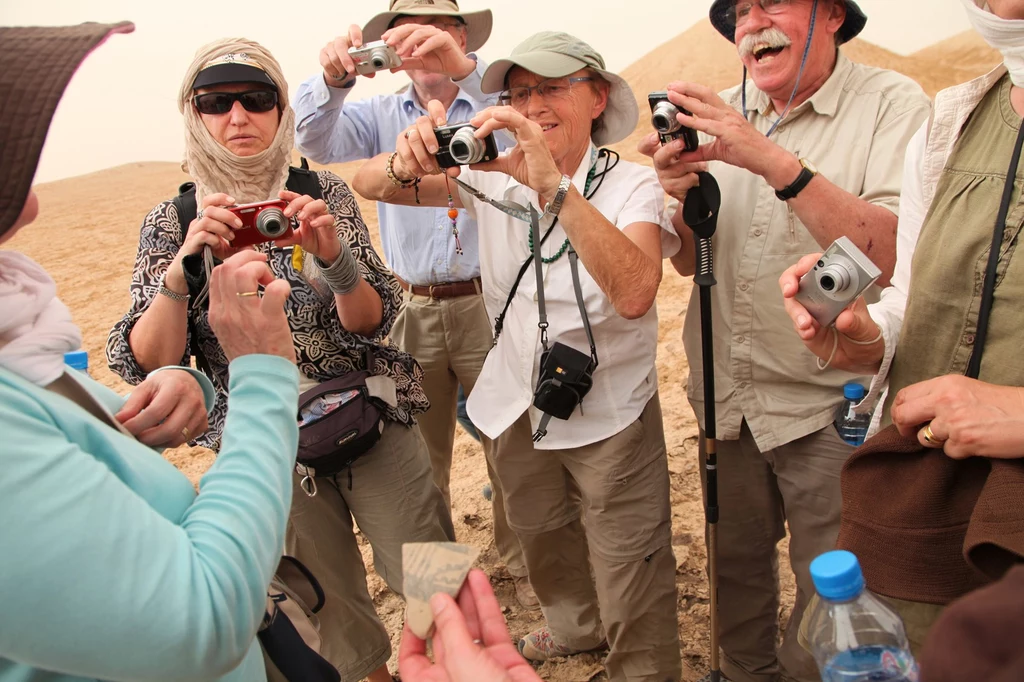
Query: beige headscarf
213, 167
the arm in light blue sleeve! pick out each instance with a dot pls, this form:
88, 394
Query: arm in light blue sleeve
96, 582
329, 131
471, 83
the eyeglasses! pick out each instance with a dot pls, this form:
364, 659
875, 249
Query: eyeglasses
253, 101
740, 12
552, 88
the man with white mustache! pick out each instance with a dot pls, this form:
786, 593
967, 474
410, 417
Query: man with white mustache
808, 149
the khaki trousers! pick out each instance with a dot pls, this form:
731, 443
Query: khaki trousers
450, 338
759, 493
621, 485
392, 496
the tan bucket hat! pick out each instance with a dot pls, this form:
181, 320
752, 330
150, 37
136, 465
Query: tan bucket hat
554, 55
36, 64
478, 24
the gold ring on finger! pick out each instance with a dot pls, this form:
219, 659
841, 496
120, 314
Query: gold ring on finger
241, 294
185, 432
930, 436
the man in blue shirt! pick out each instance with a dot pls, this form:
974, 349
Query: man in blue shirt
443, 323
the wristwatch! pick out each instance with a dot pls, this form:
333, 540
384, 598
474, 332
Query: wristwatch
806, 174
563, 188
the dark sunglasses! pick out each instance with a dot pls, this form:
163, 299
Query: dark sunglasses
254, 101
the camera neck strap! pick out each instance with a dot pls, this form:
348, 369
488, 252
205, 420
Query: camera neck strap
521, 213
991, 271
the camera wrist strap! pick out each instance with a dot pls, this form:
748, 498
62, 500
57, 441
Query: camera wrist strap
991, 271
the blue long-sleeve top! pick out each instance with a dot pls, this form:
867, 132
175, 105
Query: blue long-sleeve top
111, 566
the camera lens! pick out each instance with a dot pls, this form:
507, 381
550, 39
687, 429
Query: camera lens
663, 118
271, 223
835, 278
380, 59
464, 148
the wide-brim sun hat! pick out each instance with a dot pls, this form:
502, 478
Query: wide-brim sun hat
234, 67
478, 24
722, 19
36, 65
554, 55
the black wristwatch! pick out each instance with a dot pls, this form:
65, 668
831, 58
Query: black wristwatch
806, 174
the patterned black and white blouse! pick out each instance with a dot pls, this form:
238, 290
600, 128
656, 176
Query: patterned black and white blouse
324, 349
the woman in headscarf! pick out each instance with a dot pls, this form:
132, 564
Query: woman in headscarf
239, 130
113, 567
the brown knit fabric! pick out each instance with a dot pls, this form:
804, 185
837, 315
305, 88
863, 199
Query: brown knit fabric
927, 528
979, 638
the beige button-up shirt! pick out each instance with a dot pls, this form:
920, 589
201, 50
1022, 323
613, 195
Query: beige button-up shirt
855, 129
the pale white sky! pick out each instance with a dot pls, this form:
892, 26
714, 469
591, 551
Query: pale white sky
121, 105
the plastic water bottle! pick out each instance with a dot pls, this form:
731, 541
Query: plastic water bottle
854, 636
852, 427
77, 359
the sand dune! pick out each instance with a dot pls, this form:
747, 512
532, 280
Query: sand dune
87, 237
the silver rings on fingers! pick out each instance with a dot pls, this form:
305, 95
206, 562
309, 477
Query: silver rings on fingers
706, 106
199, 214
407, 133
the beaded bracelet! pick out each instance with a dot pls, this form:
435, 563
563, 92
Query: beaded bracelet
395, 180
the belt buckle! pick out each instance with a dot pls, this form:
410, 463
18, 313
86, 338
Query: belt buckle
430, 290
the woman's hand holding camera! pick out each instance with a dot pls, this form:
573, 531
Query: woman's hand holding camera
530, 161
214, 227
854, 328
423, 47
315, 234
244, 322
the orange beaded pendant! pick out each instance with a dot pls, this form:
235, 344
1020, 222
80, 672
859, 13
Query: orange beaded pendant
453, 213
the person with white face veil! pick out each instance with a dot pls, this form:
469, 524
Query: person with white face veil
948, 407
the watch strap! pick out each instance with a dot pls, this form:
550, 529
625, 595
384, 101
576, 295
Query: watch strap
787, 193
563, 188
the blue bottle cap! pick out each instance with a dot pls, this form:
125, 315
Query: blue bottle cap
837, 575
852, 391
77, 359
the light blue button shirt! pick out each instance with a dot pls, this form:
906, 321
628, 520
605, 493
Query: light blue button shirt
418, 242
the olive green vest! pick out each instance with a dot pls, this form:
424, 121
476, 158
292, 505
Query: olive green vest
949, 265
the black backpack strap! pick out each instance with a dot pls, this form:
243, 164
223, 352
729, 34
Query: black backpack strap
302, 180
185, 203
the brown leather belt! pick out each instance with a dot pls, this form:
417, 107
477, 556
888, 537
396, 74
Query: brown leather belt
446, 290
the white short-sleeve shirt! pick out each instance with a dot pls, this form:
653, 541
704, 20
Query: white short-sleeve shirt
626, 378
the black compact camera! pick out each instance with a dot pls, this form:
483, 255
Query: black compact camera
566, 376
458, 147
663, 118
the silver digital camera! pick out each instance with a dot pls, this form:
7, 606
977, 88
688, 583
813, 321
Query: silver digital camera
841, 275
663, 118
373, 57
458, 146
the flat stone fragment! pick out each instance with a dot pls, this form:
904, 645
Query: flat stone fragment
429, 568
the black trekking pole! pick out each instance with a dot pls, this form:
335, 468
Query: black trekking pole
700, 213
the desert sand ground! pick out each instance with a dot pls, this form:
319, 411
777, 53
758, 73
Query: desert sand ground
87, 238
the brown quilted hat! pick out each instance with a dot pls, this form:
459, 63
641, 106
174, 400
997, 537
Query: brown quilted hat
36, 64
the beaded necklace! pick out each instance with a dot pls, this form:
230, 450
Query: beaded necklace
565, 244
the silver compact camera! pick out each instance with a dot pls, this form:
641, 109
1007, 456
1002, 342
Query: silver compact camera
841, 275
457, 146
663, 118
373, 57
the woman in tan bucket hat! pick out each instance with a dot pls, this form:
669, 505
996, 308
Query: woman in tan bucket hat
588, 493
113, 566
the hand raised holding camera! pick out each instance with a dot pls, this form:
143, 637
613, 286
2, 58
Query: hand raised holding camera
854, 341
339, 68
530, 161
246, 323
424, 47
214, 227
677, 177
315, 234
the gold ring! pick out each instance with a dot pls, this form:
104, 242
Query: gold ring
185, 432
929, 437
248, 293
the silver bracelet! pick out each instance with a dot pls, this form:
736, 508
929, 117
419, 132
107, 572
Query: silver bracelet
342, 276
563, 188
173, 295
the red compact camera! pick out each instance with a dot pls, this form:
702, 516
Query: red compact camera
262, 221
